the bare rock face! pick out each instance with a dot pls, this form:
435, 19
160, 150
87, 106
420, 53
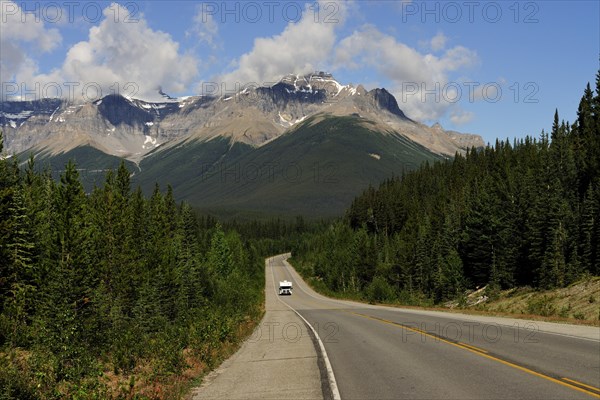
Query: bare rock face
131, 128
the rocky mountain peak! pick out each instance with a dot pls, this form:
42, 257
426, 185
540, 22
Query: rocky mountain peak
314, 82
360, 90
164, 95
119, 110
385, 100
130, 127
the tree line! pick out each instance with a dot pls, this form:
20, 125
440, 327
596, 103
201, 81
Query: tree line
111, 282
512, 214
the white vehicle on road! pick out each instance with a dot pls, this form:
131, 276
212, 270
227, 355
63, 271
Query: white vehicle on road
285, 288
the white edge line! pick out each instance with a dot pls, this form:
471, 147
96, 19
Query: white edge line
331, 377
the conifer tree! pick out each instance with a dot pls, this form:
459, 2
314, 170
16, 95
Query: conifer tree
18, 305
219, 255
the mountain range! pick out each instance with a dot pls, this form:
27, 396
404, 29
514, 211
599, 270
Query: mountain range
305, 145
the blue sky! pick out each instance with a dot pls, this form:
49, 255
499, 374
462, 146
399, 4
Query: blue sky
444, 61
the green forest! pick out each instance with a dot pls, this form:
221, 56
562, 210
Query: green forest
525, 213
102, 288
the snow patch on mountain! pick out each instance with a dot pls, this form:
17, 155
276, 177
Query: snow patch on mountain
21, 115
285, 122
149, 140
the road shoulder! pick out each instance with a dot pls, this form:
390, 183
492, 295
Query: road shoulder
279, 360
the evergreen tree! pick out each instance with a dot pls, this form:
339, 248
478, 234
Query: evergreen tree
18, 305
219, 255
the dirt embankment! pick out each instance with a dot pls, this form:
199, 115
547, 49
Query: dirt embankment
577, 303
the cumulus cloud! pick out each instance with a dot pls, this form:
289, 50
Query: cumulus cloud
119, 56
120, 53
420, 81
22, 33
304, 46
205, 29
438, 42
21, 26
460, 117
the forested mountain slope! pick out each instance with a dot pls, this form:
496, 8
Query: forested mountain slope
315, 170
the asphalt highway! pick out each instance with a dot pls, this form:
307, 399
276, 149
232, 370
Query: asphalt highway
377, 352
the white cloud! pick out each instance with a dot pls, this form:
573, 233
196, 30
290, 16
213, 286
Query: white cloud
205, 29
119, 55
438, 42
22, 33
414, 75
21, 26
456, 58
460, 117
304, 46
120, 52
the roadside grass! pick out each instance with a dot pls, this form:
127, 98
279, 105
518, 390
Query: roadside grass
145, 383
26, 372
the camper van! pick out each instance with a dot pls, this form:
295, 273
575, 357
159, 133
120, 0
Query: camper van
285, 288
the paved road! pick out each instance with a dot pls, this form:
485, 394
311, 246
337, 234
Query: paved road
279, 360
386, 353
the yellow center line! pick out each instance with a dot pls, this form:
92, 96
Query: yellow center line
473, 347
482, 354
582, 384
